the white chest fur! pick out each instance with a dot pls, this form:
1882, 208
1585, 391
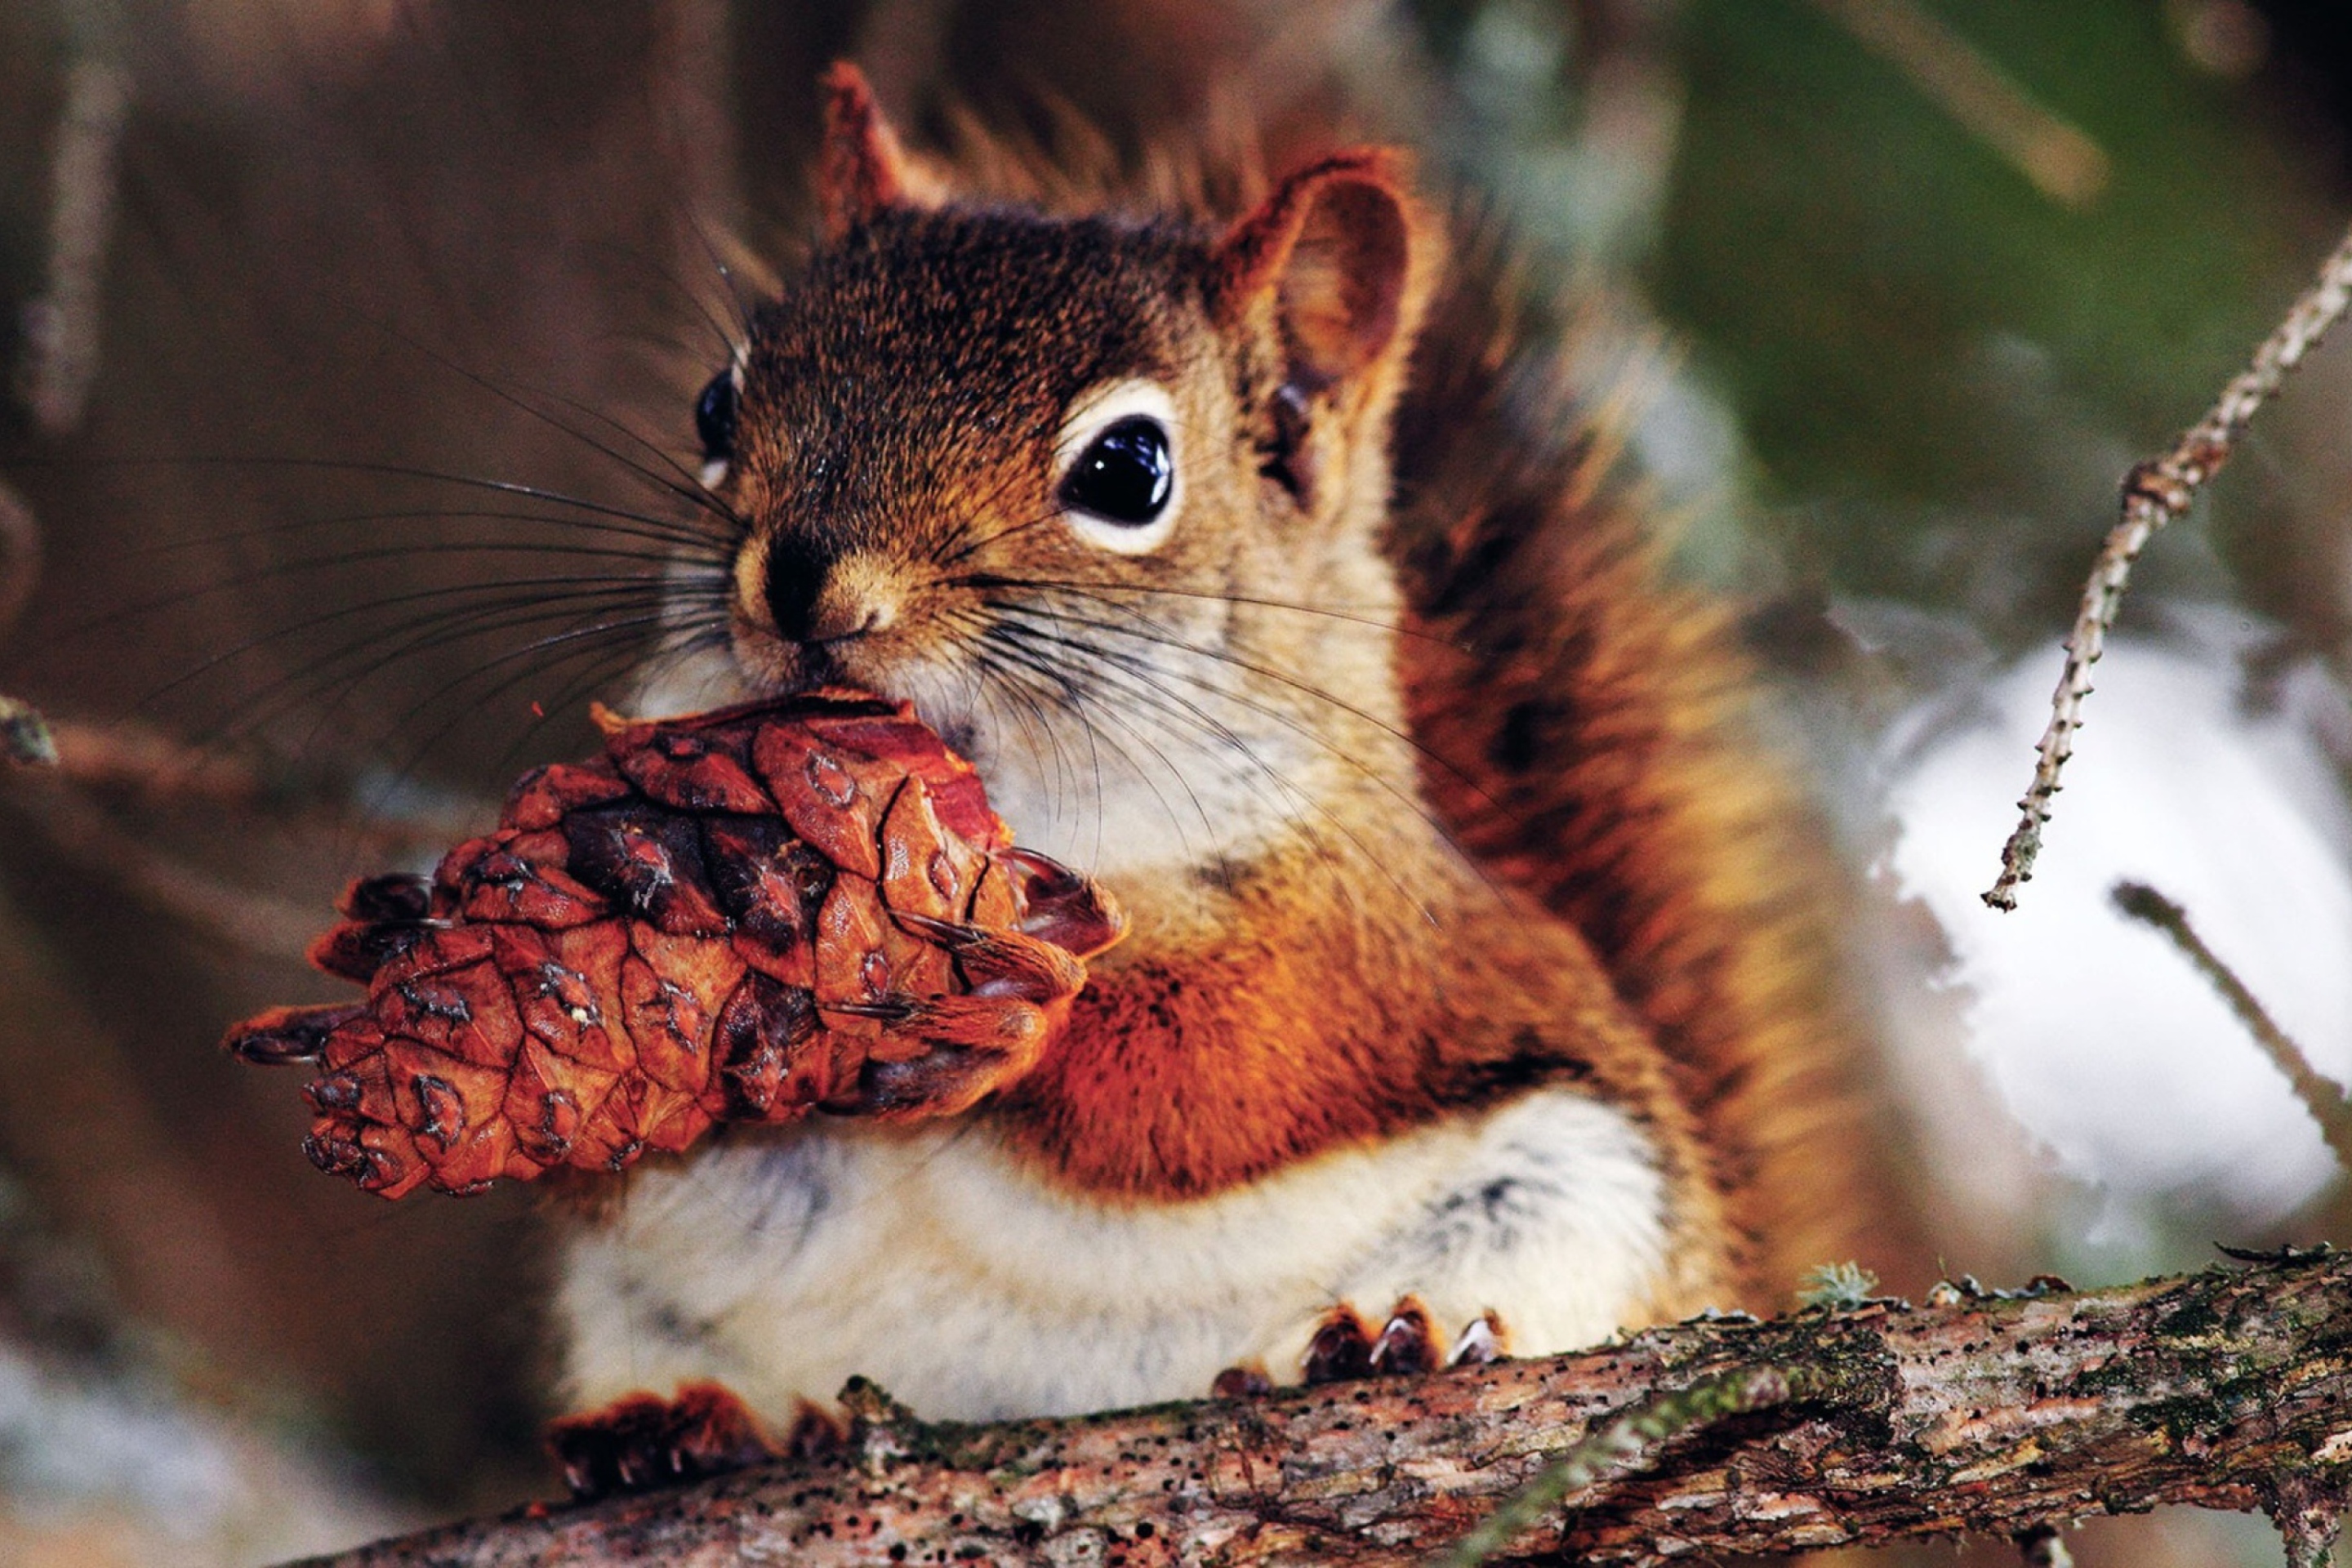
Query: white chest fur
927, 1259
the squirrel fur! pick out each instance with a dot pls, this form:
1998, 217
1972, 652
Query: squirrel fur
1482, 991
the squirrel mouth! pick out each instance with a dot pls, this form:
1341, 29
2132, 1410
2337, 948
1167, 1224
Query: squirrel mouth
774, 667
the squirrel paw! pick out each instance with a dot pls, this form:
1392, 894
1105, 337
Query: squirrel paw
939, 1056
1346, 1347
641, 1441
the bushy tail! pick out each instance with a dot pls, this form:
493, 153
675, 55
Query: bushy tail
1590, 740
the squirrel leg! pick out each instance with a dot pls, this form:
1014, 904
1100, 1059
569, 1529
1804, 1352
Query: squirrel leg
641, 1441
939, 1056
1004, 964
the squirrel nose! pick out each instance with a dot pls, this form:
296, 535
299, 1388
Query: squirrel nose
815, 598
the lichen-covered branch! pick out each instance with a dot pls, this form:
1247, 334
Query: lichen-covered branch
2230, 1389
2154, 493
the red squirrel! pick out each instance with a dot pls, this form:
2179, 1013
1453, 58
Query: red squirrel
1480, 996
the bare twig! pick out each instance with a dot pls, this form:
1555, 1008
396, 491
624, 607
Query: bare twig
2154, 493
1988, 1414
255, 921
128, 759
2064, 163
2323, 1100
100, 765
62, 326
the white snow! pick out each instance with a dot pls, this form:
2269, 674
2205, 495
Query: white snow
2106, 1045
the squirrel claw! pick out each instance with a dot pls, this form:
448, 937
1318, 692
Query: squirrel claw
641, 1441
940, 1056
1479, 1343
1341, 1350
1004, 964
1344, 1347
1065, 908
1247, 1380
1407, 1343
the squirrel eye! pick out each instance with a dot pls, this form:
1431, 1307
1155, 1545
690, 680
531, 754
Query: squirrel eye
714, 417
1125, 475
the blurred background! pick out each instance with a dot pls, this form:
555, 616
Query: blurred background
1905, 285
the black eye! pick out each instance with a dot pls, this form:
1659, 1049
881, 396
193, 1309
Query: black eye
1125, 475
714, 417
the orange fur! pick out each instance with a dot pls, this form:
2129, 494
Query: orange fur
1650, 922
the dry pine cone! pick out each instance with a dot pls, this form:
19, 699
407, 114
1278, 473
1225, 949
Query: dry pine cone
796, 905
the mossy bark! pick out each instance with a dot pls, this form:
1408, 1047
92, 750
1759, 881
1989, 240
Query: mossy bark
2229, 1389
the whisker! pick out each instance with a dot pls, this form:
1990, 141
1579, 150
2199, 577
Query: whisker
540, 591
684, 532
299, 564
1142, 675
695, 543
1169, 639
1139, 684
1074, 700
332, 680
610, 666
693, 494
1369, 617
727, 337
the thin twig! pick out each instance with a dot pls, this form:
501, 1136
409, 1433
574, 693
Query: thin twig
2064, 163
2323, 1100
2154, 493
250, 920
1625, 1444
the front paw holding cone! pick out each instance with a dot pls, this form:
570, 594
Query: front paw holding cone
747, 915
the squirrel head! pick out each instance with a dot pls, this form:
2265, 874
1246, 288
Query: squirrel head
1094, 492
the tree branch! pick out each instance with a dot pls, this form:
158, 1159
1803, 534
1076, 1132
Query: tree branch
2154, 493
2229, 1389
2321, 1098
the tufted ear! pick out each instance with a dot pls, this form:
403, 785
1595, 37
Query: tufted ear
1341, 249
861, 169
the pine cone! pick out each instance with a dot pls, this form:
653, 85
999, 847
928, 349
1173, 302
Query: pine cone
746, 915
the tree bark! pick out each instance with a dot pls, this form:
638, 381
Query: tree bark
2229, 1389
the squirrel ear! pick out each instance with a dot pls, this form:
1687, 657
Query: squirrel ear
1336, 243
861, 169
